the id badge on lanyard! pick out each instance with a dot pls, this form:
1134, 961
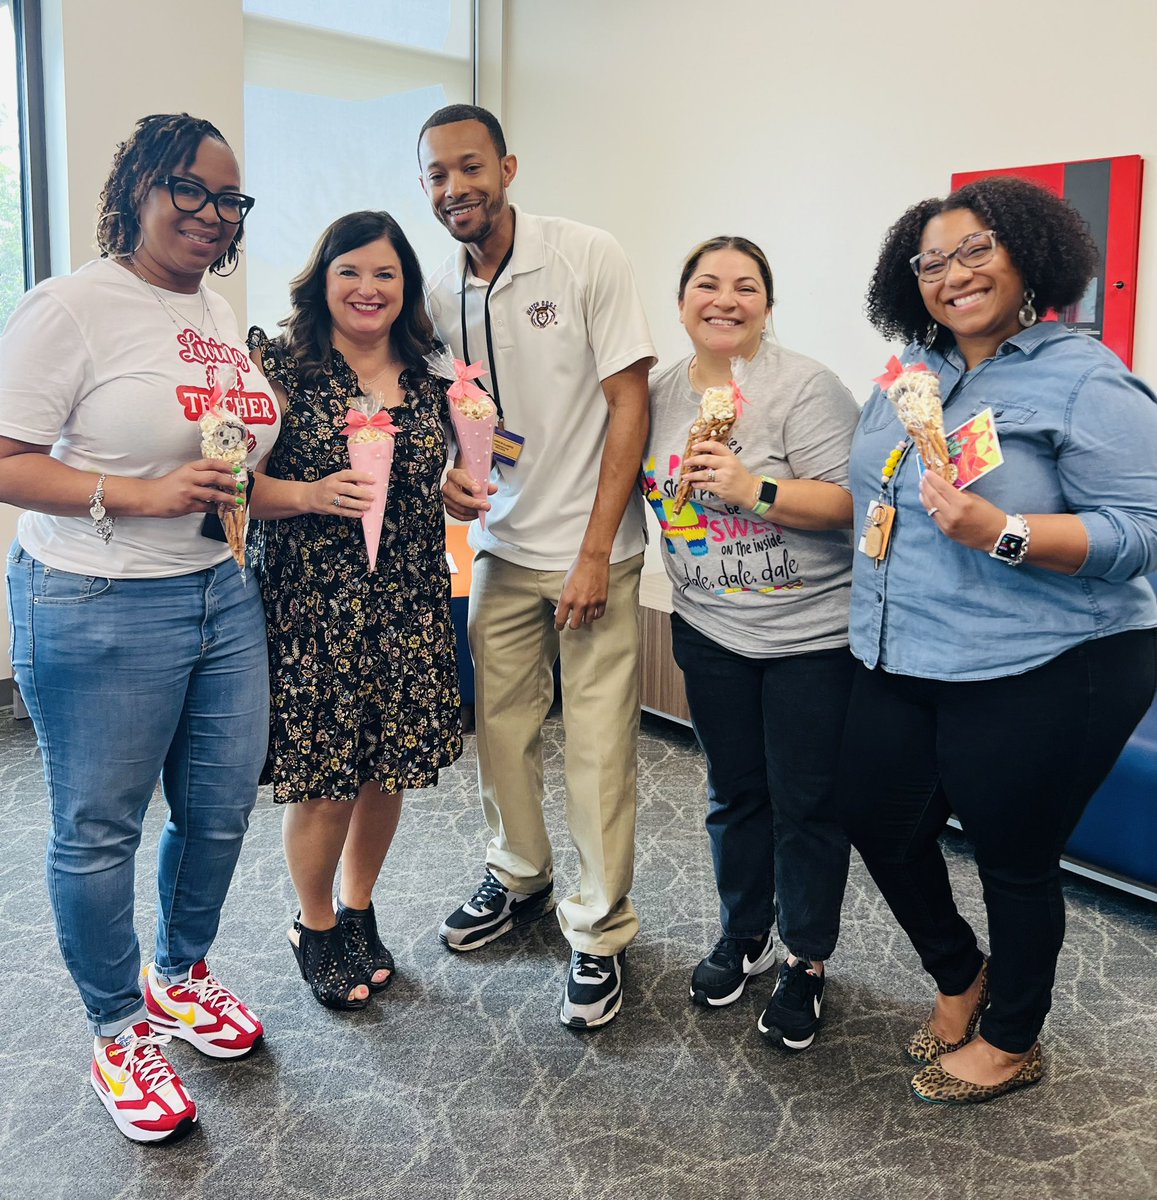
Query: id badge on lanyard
507, 444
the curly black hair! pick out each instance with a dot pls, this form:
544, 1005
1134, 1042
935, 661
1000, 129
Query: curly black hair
163, 144
309, 327
1046, 238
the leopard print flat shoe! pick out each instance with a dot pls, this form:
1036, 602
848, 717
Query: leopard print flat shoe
926, 1047
935, 1086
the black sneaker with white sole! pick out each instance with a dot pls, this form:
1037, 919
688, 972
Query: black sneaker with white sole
594, 989
492, 911
721, 977
793, 1016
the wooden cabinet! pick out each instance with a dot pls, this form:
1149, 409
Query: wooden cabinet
660, 680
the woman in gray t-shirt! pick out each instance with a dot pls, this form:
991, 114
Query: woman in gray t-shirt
760, 563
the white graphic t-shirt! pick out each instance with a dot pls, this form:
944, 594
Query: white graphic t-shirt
115, 377
754, 586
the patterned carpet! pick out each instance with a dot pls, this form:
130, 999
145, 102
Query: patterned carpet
460, 1082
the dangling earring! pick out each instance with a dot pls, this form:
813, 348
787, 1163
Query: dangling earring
931, 334
214, 270
1027, 315
763, 334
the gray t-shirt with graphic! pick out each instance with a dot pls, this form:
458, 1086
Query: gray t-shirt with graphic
758, 588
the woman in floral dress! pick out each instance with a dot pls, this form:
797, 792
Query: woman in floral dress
363, 675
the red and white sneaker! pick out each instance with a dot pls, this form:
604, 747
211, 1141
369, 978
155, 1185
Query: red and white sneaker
201, 1010
143, 1094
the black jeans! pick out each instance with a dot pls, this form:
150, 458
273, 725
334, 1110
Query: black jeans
1017, 760
771, 729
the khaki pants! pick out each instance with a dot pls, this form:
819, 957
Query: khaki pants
515, 644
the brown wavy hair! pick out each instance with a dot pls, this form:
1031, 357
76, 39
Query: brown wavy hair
309, 327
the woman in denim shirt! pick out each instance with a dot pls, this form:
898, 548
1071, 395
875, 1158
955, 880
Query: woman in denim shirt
1005, 633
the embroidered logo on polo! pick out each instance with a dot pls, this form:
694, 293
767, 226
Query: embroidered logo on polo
542, 313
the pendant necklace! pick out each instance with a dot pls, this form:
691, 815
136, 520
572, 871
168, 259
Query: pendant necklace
173, 314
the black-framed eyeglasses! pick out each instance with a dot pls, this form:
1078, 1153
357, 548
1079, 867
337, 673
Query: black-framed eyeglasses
974, 251
190, 197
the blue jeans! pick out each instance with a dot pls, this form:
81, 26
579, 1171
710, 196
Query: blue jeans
771, 729
128, 681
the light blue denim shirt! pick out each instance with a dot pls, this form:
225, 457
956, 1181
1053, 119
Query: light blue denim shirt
1079, 435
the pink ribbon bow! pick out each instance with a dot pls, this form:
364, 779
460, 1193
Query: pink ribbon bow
894, 370
225, 380
739, 398
464, 387
358, 420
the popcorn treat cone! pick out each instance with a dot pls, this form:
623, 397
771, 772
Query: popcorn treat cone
371, 436
472, 413
375, 458
475, 437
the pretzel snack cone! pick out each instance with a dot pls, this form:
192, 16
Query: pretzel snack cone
916, 394
713, 424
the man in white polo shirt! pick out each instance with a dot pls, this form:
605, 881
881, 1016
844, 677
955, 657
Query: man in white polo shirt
550, 309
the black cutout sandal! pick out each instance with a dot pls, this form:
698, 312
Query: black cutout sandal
325, 965
359, 927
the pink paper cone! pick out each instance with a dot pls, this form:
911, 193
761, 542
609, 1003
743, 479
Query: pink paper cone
476, 443
376, 459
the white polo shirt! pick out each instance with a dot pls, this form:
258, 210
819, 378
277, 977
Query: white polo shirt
564, 315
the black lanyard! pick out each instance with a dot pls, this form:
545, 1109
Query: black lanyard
493, 387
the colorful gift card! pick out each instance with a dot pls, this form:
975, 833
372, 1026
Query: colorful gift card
973, 448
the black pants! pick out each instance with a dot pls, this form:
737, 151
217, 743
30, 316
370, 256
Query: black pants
771, 729
1017, 760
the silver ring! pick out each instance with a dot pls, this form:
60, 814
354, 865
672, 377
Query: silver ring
933, 511
337, 502
711, 475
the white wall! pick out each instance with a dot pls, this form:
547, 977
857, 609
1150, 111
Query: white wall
810, 128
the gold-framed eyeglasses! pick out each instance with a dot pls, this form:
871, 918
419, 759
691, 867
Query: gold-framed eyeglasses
974, 251
189, 196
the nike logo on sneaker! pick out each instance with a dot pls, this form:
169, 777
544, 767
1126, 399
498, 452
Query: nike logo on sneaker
188, 1014
117, 1087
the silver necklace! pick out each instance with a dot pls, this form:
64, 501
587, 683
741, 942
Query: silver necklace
370, 382
178, 320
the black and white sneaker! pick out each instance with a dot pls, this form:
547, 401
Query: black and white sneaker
594, 989
793, 1016
721, 977
492, 911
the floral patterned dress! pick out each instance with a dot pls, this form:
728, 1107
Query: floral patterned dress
363, 673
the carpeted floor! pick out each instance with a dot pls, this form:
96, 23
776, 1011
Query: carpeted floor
460, 1082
